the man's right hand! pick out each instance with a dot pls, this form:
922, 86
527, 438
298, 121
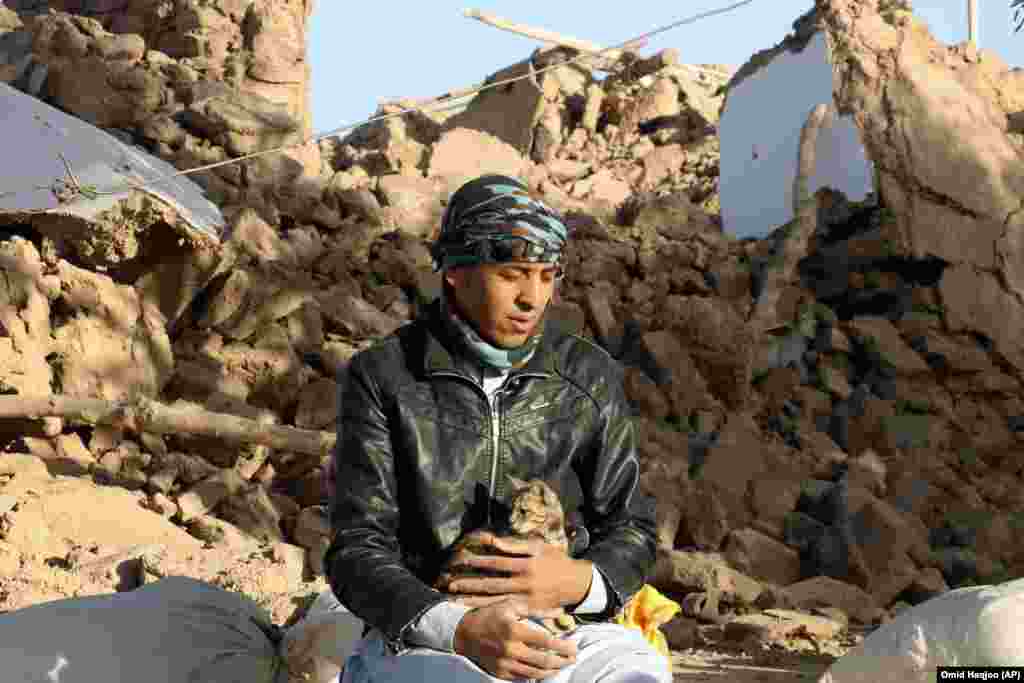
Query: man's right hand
496, 640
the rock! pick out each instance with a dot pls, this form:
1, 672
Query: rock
887, 539
822, 591
779, 626
71, 449
869, 471
889, 344
682, 572
292, 558
217, 532
255, 237
928, 584
414, 202
207, 494
661, 163
162, 505
681, 633
463, 154
313, 532
720, 342
673, 369
602, 317
762, 557
660, 101
318, 405
772, 499
355, 316
705, 520
735, 459
975, 301
602, 188
10, 560
253, 512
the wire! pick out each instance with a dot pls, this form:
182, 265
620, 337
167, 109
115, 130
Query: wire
443, 103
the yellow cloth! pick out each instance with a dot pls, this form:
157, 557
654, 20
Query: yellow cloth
647, 611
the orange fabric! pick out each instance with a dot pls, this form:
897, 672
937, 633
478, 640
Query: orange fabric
646, 612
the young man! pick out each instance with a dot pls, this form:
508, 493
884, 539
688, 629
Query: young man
436, 418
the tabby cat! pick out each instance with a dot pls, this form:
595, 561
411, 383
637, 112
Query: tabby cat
535, 512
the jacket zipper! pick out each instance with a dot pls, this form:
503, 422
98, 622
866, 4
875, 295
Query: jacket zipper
495, 434
496, 446
495, 412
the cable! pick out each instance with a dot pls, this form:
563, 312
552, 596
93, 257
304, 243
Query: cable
90, 191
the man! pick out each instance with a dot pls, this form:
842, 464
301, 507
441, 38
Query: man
434, 420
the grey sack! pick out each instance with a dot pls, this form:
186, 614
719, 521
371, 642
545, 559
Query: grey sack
175, 630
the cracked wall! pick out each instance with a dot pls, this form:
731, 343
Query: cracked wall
760, 138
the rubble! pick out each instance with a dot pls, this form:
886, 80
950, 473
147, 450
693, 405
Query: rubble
829, 406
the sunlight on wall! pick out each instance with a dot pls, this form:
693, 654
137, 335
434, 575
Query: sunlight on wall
760, 135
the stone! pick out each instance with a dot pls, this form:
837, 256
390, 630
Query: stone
313, 532
463, 154
70, 448
355, 315
822, 591
255, 237
705, 520
737, 458
720, 343
681, 633
602, 316
162, 505
661, 163
602, 188
887, 539
414, 202
218, 533
207, 494
762, 557
292, 558
674, 370
318, 405
772, 498
660, 101
889, 343
779, 626
682, 572
252, 511
974, 301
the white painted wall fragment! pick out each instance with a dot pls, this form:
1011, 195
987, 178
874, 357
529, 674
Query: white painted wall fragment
760, 136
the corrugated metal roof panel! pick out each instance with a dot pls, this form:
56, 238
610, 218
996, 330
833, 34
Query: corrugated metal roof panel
34, 135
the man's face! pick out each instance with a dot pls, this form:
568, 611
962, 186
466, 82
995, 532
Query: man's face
504, 301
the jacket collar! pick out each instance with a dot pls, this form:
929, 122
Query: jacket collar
439, 357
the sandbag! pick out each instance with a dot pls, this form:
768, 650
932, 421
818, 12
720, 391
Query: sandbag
318, 645
976, 626
175, 630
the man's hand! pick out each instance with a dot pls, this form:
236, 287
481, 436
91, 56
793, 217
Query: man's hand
542, 575
497, 641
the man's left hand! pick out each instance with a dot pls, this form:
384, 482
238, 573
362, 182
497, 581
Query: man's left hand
542, 574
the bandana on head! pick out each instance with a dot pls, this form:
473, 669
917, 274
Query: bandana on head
493, 219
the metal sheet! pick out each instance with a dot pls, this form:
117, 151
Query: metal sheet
34, 135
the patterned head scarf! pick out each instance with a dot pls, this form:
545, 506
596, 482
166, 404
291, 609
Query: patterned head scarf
493, 219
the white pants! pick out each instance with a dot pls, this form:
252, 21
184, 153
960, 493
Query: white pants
606, 653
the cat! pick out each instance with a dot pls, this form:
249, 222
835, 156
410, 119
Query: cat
535, 512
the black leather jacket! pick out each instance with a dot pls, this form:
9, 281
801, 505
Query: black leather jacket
422, 456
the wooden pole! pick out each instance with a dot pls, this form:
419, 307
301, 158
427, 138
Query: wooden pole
145, 415
972, 22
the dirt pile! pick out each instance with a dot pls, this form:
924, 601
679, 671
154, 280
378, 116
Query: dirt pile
830, 418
